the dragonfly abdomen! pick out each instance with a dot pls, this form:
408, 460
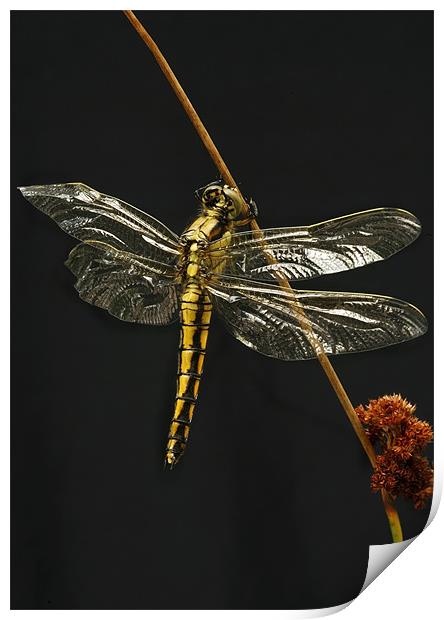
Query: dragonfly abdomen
195, 315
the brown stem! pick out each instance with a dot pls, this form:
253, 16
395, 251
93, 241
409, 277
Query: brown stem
182, 96
392, 516
325, 363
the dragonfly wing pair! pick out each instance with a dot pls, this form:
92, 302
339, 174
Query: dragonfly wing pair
127, 263
290, 325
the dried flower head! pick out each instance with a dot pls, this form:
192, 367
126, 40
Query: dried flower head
398, 438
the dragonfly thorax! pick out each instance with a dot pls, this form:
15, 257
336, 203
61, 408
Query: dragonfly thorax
195, 240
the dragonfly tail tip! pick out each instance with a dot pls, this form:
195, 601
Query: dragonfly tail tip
170, 462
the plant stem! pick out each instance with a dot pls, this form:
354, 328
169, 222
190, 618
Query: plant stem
183, 98
392, 515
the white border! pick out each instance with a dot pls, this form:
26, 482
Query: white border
411, 588
227, 5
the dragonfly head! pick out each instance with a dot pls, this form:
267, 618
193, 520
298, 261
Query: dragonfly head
227, 204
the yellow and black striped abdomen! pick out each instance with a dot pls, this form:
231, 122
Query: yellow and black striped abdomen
195, 315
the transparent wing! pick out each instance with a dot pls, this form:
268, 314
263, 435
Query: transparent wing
125, 289
105, 222
310, 251
284, 324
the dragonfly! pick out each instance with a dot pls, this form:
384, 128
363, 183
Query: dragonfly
137, 269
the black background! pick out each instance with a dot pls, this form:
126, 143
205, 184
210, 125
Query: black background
318, 114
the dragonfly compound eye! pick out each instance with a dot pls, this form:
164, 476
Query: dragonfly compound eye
235, 203
213, 196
